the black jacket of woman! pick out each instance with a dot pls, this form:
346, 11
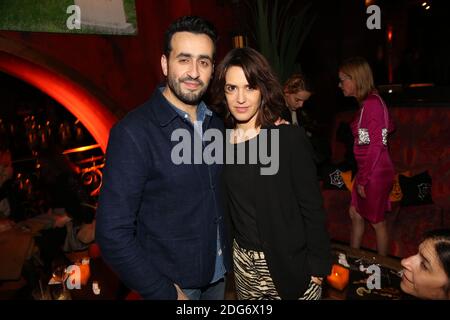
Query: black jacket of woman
289, 215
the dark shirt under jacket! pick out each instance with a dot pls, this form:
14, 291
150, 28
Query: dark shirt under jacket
290, 218
240, 180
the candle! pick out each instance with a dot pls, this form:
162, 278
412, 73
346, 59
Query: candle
339, 276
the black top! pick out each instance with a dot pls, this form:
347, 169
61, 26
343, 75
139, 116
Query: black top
289, 215
240, 180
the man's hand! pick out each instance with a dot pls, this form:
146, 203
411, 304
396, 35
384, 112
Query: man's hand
181, 294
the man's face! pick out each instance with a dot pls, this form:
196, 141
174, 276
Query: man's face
189, 67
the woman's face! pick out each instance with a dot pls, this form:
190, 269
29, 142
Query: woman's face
423, 274
296, 100
243, 101
347, 85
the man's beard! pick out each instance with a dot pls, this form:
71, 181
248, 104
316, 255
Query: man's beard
190, 98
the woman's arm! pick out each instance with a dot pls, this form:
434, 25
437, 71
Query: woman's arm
309, 198
374, 121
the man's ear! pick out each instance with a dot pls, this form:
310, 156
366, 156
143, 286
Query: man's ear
164, 64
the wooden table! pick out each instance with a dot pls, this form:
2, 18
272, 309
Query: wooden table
110, 285
390, 267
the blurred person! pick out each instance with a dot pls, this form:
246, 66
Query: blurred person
296, 91
426, 275
299, 99
6, 174
374, 179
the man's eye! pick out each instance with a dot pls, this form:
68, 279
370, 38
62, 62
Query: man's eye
204, 63
183, 60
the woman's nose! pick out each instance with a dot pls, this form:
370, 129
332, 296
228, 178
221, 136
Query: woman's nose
241, 96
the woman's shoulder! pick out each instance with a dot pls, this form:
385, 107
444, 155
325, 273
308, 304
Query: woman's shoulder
373, 99
289, 132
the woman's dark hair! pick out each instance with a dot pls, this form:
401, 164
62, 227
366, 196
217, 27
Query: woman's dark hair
191, 24
441, 240
259, 75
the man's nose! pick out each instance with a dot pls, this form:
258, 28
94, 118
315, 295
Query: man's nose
193, 71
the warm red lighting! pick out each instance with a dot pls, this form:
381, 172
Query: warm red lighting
389, 34
81, 149
94, 115
420, 85
339, 277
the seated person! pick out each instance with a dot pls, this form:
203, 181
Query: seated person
427, 274
6, 174
66, 201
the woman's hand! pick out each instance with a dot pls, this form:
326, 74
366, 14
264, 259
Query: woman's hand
361, 191
281, 121
317, 280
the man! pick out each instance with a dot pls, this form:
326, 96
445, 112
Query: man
159, 224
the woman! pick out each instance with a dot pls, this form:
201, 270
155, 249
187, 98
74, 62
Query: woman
280, 245
427, 274
296, 91
370, 128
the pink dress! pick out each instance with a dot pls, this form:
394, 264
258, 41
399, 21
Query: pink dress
375, 169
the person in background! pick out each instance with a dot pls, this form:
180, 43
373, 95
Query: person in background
160, 223
426, 275
281, 249
6, 174
298, 94
296, 91
374, 179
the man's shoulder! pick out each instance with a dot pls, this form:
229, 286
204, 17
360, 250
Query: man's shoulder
142, 114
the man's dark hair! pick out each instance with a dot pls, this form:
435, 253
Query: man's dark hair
191, 24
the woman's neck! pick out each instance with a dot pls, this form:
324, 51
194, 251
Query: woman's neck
244, 133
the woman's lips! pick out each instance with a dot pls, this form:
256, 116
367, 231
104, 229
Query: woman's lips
241, 109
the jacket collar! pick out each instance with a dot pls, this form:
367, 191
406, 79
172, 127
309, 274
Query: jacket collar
162, 109
166, 112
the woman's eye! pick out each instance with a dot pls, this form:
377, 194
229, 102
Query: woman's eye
230, 88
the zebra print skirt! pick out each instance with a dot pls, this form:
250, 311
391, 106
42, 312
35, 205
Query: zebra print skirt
253, 280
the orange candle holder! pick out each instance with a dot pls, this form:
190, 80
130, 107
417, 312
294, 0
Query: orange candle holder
339, 277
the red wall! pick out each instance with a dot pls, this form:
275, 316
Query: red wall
126, 68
